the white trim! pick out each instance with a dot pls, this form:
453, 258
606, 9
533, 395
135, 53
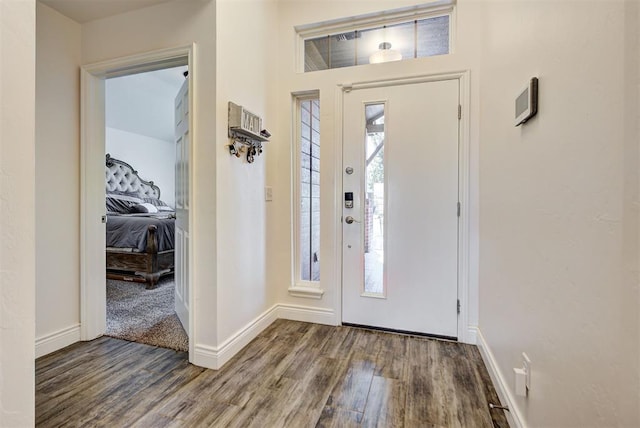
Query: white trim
514, 415
472, 335
142, 62
93, 301
387, 17
57, 340
215, 357
464, 197
205, 356
92, 138
338, 203
463, 76
407, 80
193, 201
306, 292
307, 314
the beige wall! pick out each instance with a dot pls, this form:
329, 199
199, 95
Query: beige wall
57, 176
247, 61
17, 207
558, 224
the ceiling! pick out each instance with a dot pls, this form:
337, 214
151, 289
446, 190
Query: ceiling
143, 103
88, 10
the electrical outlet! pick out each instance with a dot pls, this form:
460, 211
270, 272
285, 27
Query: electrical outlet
526, 365
268, 193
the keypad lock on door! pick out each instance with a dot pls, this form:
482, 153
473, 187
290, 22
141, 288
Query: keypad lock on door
348, 199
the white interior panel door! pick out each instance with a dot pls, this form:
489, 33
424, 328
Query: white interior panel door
400, 254
93, 306
182, 205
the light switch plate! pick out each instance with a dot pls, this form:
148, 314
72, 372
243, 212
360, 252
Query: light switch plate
268, 193
526, 365
520, 386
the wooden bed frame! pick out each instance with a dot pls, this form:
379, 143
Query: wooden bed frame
147, 267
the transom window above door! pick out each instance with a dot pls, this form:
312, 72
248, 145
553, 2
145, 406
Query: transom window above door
382, 37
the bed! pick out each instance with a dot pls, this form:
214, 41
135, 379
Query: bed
140, 227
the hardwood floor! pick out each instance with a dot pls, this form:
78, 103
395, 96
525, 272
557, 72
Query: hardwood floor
293, 375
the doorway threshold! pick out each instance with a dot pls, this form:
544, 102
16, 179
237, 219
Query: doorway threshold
404, 332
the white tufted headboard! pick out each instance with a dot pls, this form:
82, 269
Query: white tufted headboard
121, 177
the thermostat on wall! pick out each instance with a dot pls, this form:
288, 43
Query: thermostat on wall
527, 102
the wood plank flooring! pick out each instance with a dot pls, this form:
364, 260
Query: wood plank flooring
293, 374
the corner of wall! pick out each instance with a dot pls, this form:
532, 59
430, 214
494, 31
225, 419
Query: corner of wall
215, 357
57, 153
514, 415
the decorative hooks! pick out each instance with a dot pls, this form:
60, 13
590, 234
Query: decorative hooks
246, 133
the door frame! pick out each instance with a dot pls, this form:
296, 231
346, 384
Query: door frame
464, 185
92, 151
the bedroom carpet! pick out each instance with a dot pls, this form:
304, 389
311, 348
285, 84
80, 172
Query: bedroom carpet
145, 316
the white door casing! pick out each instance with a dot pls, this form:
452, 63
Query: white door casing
182, 137
93, 295
421, 139
92, 149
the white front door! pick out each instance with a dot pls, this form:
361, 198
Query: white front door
400, 239
182, 205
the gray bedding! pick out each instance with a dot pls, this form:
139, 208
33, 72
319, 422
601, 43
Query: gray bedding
130, 230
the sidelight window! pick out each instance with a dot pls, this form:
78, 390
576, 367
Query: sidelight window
308, 189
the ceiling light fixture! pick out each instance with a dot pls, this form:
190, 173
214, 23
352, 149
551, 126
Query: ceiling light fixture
384, 54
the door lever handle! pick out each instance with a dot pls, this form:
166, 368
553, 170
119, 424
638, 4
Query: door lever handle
348, 219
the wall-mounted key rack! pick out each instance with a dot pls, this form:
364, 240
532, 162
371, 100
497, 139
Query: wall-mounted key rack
245, 132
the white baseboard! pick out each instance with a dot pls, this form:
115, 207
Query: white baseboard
204, 356
472, 335
307, 314
57, 340
514, 416
215, 358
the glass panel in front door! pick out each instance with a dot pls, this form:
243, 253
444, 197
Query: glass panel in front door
374, 205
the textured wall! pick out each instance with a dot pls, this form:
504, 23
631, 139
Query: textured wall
57, 173
17, 206
558, 224
245, 75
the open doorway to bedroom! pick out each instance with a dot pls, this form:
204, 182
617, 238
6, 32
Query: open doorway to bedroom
143, 182
142, 176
